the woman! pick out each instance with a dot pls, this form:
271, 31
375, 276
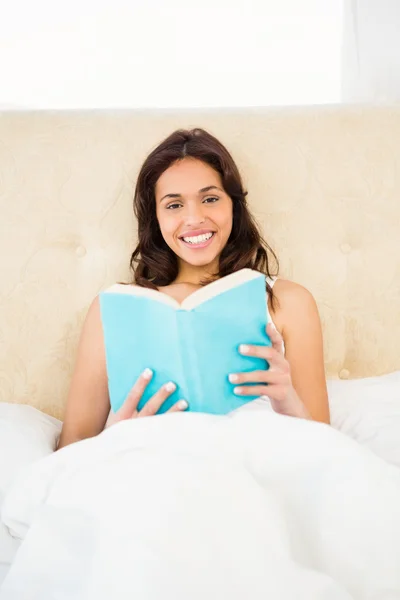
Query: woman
193, 227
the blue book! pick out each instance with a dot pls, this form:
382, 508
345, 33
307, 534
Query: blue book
194, 344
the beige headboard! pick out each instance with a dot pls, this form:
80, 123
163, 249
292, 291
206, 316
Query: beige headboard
324, 183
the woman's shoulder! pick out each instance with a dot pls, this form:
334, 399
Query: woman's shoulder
288, 291
292, 300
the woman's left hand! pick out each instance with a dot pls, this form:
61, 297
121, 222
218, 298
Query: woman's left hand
275, 382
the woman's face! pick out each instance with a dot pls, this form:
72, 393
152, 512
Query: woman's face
193, 211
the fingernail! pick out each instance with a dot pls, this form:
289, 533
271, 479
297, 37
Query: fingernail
182, 404
244, 348
237, 390
147, 374
233, 378
170, 386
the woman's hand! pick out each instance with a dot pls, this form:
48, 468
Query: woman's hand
129, 409
275, 382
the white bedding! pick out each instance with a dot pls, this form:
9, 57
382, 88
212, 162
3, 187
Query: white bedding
8, 549
187, 506
4, 568
26, 435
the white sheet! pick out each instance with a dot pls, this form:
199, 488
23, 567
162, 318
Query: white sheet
186, 506
26, 434
368, 410
4, 568
8, 549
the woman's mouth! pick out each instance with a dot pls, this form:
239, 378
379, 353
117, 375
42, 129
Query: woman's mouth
198, 241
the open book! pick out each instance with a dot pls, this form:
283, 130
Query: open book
194, 344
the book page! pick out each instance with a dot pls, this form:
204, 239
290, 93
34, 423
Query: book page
137, 290
218, 287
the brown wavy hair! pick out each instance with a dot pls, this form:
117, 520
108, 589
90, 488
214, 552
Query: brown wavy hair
153, 262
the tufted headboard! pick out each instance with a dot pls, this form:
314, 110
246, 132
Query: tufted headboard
324, 183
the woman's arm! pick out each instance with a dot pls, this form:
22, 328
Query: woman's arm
297, 319
88, 402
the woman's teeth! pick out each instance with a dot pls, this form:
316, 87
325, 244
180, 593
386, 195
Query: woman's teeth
197, 239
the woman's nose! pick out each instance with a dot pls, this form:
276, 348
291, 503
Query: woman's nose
195, 214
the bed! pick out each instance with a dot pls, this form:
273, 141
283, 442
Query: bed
324, 184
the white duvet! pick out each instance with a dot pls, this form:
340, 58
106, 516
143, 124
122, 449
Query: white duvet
187, 507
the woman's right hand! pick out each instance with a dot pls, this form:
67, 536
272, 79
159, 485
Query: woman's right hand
129, 409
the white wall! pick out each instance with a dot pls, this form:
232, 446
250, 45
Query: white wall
164, 53
371, 56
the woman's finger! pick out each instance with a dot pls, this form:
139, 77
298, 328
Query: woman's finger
274, 358
273, 392
178, 406
252, 390
154, 404
129, 407
269, 376
275, 337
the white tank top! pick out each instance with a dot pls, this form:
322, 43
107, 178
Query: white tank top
271, 281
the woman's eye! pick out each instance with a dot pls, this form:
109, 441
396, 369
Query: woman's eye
173, 205
211, 199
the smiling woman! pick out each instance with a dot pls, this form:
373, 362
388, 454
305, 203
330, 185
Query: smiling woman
194, 227
189, 187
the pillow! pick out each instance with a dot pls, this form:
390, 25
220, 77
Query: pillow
368, 410
26, 434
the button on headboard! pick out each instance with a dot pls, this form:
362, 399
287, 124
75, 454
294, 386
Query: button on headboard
324, 184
